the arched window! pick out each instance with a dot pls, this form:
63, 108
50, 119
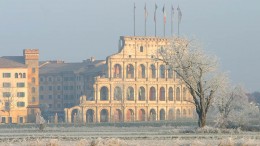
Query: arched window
162, 94
117, 71
24, 75
152, 95
141, 94
104, 93
153, 71
129, 71
130, 94
16, 75
178, 96
118, 94
170, 73
162, 71
20, 75
33, 90
141, 49
184, 94
170, 94
33, 79
141, 71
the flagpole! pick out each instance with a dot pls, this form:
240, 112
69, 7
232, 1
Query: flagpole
145, 20
134, 19
155, 19
172, 21
179, 19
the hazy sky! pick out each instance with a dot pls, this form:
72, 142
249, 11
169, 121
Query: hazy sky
73, 30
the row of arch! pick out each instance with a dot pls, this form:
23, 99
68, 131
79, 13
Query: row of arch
142, 93
117, 115
20, 75
142, 71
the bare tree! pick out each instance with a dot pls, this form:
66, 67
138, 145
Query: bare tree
9, 99
197, 70
233, 107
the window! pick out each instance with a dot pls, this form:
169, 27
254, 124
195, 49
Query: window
41, 88
49, 79
178, 94
50, 105
33, 90
20, 94
6, 75
153, 71
20, 119
50, 96
33, 70
50, 88
117, 71
41, 79
58, 87
6, 94
33, 79
162, 71
141, 49
16, 75
20, 84
130, 93
3, 120
20, 104
24, 75
41, 97
6, 85
7, 106
130, 71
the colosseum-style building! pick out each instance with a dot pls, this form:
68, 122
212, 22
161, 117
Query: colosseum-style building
134, 87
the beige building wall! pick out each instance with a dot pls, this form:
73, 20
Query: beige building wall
13, 95
135, 88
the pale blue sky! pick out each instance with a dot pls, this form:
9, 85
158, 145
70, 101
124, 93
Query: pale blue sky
73, 30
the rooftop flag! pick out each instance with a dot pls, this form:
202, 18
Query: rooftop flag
155, 12
164, 14
145, 12
179, 14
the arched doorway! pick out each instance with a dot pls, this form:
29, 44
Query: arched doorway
162, 114
130, 115
141, 115
75, 115
152, 115
118, 115
104, 115
90, 116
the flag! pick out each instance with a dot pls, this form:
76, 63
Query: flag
145, 12
164, 14
172, 13
155, 12
179, 14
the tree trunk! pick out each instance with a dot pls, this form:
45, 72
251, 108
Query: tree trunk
202, 119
